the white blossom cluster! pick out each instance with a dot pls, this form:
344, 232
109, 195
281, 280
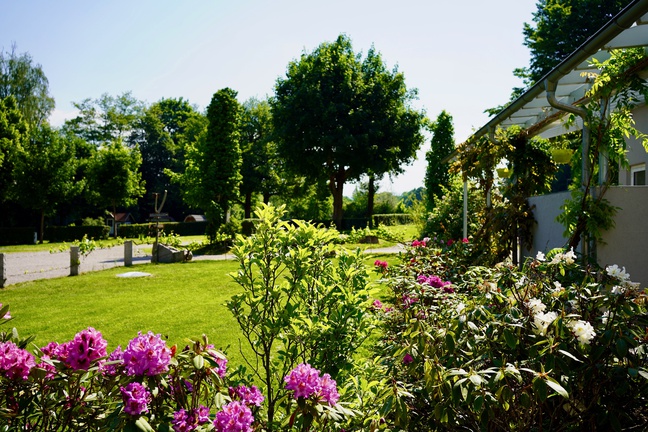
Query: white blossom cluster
582, 330
568, 257
623, 277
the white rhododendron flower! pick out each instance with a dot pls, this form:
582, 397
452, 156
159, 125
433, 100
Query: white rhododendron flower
583, 331
618, 290
567, 257
541, 322
535, 305
540, 256
617, 272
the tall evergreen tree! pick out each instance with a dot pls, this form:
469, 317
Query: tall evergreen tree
212, 176
437, 175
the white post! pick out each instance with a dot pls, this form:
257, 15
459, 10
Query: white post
74, 260
128, 253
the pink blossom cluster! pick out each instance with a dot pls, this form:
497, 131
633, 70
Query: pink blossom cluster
234, 417
146, 354
114, 364
247, 395
408, 300
305, 381
436, 282
381, 265
221, 362
187, 421
87, 346
407, 359
136, 399
419, 243
15, 362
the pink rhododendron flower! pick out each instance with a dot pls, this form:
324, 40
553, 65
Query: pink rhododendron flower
465, 240
186, 421
247, 395
87, 346
136, 399
377, 304
146, 355
408, 301
328, 390
234, 417
419, 243
450, 242
433, 281
113, 369
407, 359
382, 265
305, 381
15, 362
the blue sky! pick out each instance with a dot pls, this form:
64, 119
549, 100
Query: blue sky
458, 54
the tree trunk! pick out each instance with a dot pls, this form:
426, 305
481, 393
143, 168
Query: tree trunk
371, 193
114, 215
42, 227
336, 186
248, 205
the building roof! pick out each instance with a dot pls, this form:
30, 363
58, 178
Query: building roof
532, 110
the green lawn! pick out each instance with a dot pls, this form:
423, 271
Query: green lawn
177, 301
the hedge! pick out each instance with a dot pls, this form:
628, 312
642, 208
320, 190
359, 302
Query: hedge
16, 236
57, 234
390, 219
148, 229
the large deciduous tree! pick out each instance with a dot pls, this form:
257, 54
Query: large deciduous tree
212, 176
106, 119
161, 137
44, 173
261, 168
13, 134
561, 26
338, 118
113, 176
437, 174
27, 83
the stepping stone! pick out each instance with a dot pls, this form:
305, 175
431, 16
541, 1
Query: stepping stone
133, 274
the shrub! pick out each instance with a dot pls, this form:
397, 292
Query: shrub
550, 346
56, 234
17, 236
391, 219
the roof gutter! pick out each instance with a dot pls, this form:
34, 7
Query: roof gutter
622, 21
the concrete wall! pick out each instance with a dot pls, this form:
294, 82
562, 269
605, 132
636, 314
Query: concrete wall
626, 244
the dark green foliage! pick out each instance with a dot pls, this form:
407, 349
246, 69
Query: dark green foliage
437, 174
13, 134
148, 229
56, 234
338, 118
391, 219
17, 236
561, 26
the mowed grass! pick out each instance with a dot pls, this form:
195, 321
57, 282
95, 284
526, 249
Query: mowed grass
178, 301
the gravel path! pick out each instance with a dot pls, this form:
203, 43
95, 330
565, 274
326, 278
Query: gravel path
29, 266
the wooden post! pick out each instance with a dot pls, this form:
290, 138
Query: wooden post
3, 270
75, 262
128, 253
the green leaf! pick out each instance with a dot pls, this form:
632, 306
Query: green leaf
143, 425
511, 340
199, 362
450, 342
621, 347
570, 355
557, 387
478, 403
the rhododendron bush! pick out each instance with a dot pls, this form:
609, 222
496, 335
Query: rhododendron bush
551, 346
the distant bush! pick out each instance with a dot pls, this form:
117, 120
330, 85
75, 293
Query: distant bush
16, 236
57, 234
148, 229
391, 219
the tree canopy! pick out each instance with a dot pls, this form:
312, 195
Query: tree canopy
437, 174
338, 117
27, 83
561, 26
